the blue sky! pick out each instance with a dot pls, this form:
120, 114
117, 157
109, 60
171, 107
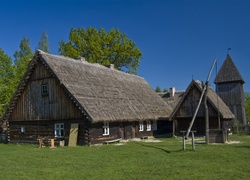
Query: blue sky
178, 38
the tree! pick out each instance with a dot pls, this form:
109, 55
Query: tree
165, 90
247, 103
103, 48
158, 89
43, 43
22, 59
6, 76
25, 49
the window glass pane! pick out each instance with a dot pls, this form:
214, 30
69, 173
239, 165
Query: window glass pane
148, 126
141, 126
105, 128
44, 89
59, 130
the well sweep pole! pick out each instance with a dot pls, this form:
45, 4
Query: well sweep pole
203, 92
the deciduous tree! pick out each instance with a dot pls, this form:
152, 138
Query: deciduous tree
103, 48
6, 77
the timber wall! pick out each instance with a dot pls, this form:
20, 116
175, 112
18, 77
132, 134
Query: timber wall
45, 129
233, 95
32, 105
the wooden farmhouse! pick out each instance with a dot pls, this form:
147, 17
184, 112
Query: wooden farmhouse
81, 103
185, 103
229, 86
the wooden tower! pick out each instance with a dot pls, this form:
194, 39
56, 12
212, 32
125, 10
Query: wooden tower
229, 86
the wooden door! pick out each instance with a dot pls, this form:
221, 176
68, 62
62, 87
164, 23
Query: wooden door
127, 130
73, 134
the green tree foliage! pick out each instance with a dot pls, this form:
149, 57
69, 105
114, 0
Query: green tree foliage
22, 59
165, 90
43, 43
25, 49
158, 89
6, 76
103, 48
247, 103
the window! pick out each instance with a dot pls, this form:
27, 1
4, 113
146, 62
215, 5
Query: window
105, 128
141, 126
155, 125
22, 129
148, 126
59, 130
45, 90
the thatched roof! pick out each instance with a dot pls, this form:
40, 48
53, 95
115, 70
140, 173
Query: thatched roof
101, 93
172, 101
228, 72
212, 98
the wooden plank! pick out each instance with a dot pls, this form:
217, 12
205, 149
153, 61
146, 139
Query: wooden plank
73, 134
113, 141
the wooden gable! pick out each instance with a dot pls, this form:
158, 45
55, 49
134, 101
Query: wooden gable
190, 102
33, 105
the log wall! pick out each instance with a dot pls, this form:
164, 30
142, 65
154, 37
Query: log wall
233, 95
117, 130
45, 129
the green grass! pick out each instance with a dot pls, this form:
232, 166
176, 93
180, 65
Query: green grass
134, 160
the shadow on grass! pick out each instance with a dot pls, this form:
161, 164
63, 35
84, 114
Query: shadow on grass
248, 147
164, 150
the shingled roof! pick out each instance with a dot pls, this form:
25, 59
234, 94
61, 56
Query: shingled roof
212, 98
228, 72
101, 93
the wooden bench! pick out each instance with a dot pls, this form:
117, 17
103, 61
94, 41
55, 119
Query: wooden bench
112, 141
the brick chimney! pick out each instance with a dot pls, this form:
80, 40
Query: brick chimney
172, 91
111, 66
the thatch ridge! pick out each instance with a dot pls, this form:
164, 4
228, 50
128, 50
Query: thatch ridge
97, 65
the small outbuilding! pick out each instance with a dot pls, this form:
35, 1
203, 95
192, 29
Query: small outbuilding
185, 103
81, 103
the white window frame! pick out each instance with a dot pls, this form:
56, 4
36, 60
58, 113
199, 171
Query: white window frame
141, 126
45, 90
105, 128
154, 125
59, 130
22, 129
148, 125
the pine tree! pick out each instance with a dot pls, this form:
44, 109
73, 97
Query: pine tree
247, 103
43, 43
22, 59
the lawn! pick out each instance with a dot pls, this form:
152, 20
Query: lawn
133, 160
